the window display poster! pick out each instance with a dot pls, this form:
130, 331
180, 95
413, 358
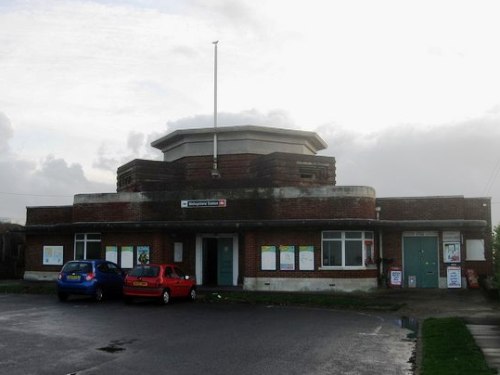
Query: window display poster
127, 255
287, 258
454, 277
268, 258
53, 255
451, 252
178, 246
112, 254
142, 254
306, 258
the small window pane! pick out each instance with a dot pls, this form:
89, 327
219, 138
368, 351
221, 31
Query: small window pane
353, 234
332, 253
369, 235
80, 237
79, 250
332, 235
93, 250
353, 253
93, 237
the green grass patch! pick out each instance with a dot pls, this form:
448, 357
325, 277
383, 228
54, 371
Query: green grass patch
338, 300
449, 348
28, 288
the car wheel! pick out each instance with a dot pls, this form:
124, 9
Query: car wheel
99, 294
192, 294
62, 296
165, 297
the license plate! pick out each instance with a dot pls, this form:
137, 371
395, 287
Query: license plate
139, 283
73, 277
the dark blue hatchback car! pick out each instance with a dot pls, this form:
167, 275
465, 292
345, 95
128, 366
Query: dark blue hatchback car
93, 277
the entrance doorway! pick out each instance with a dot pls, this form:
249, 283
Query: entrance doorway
217, 260
421, 261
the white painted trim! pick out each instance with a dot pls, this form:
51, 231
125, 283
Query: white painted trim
199, 260
309, 284
199, 254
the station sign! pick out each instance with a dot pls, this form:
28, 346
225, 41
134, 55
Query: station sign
201, 203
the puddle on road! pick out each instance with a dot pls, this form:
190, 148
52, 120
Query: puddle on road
111, 349
411, 324
116, 346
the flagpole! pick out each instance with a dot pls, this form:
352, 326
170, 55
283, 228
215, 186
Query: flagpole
215, 171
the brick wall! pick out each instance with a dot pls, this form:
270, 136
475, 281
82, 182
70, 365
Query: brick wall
49, 215
249, 170
34, 250
255, 239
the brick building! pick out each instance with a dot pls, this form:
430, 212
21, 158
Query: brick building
265, 213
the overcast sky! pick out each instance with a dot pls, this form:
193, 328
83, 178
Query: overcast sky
405, 93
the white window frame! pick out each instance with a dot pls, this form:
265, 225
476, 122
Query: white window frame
85, 241
343, 240
475, 250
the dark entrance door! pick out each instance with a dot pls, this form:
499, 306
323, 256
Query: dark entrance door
421, 261
217, 261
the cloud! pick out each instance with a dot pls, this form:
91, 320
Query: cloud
47, 182
457, 159
274, 118
5, 133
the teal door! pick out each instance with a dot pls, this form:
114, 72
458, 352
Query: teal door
225, 261
421, 261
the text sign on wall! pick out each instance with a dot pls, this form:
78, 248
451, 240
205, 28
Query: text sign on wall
142, 254
112, 254
454, 277
268, 258
200, 203
451, 252
53, 255
306, 258
287, 258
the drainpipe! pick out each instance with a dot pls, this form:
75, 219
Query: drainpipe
380, 245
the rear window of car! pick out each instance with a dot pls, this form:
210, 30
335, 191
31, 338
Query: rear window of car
83, 267
145, 271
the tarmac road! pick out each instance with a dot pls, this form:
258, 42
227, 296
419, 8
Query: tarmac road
43, 336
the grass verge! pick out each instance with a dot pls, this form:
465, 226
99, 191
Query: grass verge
342, 301
449, 348
28, 288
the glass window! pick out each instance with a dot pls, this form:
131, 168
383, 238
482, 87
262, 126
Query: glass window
87, 246
353, 253
80, 250
331, 234
145, 271
332, 253
345, 249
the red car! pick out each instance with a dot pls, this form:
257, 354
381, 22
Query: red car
161, 281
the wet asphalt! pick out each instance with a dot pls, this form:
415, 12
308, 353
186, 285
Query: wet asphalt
43, 336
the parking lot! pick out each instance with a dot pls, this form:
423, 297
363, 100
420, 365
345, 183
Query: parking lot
43, 336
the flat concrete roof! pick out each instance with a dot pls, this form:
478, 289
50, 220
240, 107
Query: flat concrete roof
238, 140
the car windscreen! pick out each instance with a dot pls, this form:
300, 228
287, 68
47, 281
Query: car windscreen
145, 271
83, 267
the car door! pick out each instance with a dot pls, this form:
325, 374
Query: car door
173, 281
184, 285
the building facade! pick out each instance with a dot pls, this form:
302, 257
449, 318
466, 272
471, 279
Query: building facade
262, 210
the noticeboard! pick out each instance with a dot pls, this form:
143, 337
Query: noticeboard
268, 258
287, 258
306, 258
53, 255
454, 277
